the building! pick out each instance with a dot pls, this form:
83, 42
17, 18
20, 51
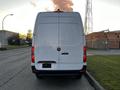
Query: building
4, 36
104, 40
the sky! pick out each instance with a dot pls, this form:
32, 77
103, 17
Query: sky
106, 13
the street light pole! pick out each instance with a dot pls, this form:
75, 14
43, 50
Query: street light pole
4, 20
3, 45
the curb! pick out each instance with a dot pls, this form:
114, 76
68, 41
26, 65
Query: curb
93, 82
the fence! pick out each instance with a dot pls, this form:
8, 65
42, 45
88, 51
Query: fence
103, 44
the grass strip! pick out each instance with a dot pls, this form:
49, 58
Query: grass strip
106, 70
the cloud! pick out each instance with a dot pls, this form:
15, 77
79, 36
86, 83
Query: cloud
64, 5
33, 3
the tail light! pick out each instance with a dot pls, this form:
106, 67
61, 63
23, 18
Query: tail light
84, 54
32, 55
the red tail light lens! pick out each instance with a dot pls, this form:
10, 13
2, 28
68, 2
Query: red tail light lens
85, 50
84, 56
32, 55
32, 50
33, 59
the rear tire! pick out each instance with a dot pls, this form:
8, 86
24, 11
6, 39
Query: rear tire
78, 76
38, 76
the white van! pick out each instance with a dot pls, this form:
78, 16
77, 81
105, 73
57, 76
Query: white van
58, 46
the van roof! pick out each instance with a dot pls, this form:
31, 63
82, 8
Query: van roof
49, 17
67, 14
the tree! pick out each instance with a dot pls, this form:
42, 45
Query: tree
29, 37
22, 36
29, 34
14, 39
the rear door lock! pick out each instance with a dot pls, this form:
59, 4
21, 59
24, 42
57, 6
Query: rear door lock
58, 49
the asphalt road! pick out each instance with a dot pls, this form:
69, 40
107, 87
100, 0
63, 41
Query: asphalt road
15, 74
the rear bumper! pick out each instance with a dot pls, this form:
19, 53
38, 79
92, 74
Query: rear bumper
59, 72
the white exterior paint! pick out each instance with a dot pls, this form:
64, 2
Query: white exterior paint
59, 29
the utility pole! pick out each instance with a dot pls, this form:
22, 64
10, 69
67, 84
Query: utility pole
88, 25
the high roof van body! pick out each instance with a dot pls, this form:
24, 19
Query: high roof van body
58, 45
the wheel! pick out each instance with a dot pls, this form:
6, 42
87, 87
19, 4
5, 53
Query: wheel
78, 76
38, 76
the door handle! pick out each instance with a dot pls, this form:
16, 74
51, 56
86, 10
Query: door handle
65, 53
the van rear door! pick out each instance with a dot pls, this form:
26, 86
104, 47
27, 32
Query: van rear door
71, 39
46, 41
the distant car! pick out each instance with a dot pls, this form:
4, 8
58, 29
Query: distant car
58, 46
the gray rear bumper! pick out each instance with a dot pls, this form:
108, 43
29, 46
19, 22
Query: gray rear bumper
59, 72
